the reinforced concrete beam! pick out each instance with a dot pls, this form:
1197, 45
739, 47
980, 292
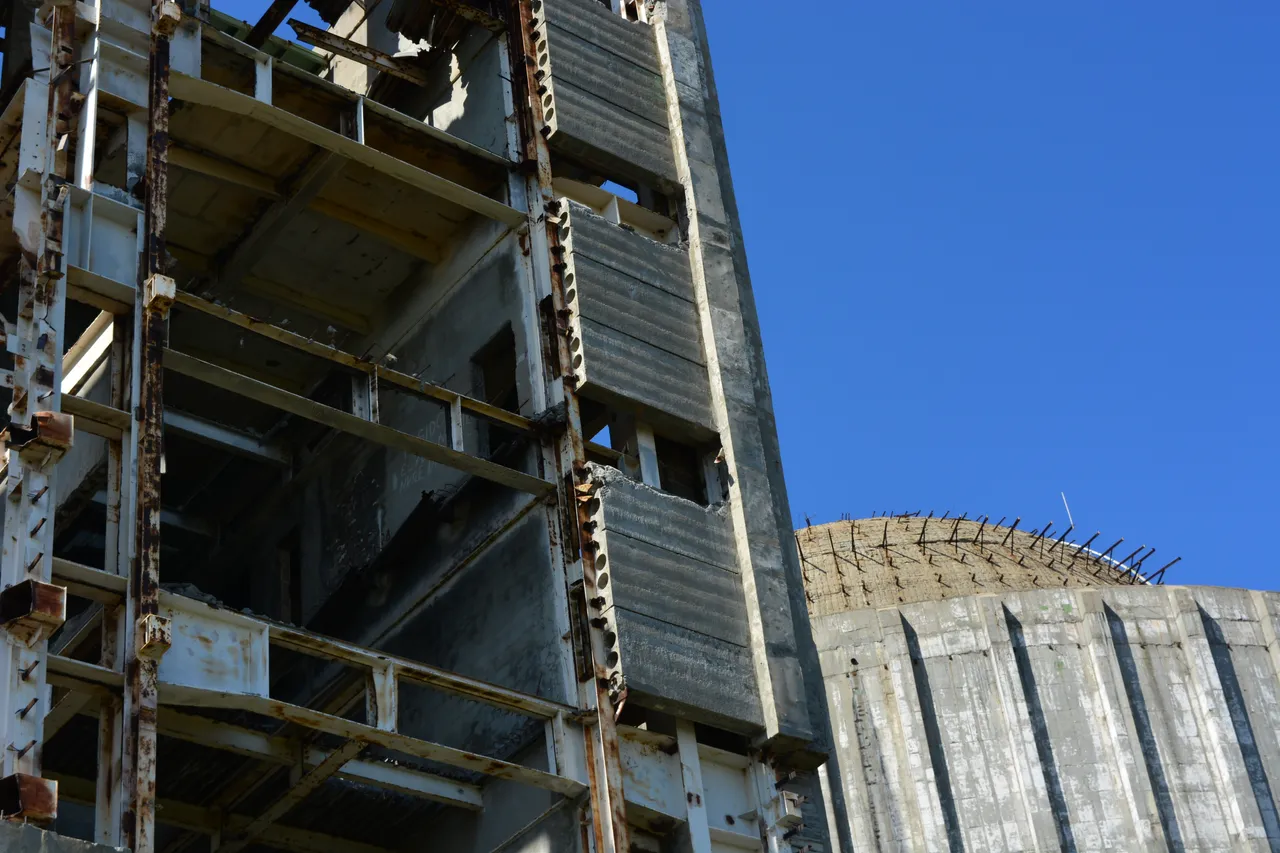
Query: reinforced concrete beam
303, 407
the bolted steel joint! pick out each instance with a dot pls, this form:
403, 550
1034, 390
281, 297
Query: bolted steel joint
155, 636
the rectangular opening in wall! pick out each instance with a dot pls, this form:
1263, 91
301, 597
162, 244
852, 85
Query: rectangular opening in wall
680, 469
494, 371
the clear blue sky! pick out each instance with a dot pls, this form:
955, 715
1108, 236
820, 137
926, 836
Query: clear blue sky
1005, 250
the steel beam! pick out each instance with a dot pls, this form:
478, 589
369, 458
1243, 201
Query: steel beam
330, 724
223, 437
269, 22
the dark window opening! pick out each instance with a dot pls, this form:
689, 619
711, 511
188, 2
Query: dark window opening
680, 469
494, 367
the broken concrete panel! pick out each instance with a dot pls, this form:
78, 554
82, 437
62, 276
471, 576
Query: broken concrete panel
605, 102
644, 514
657, 264
597, 24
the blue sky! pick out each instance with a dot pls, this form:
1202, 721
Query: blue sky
1004, 250
1007, 250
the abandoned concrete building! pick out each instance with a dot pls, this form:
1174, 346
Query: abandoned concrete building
391, 466
995, 688
313, 538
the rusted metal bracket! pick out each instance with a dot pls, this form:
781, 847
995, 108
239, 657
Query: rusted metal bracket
53, 432
155, 636
28, 798
159, 293
32, 610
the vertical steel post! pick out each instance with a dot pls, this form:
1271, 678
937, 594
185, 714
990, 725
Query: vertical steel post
149, 632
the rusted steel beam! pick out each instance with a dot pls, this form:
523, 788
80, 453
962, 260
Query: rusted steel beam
283, 751
375, 59
207, 821
419, 673
270, 20
155, 295
595, 692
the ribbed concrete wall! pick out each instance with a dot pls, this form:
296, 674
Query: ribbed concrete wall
1123, 718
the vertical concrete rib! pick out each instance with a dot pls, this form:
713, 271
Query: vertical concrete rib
1117, 754
1204, 689
1040, 730
933, 739
1129, 678
771, 576
999, 661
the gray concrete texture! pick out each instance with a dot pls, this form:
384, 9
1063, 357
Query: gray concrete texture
1119, 718
23, 838
882, 562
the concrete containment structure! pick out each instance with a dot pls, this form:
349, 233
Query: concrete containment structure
1070, 705
391, 462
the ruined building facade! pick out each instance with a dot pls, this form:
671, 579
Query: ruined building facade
390, 462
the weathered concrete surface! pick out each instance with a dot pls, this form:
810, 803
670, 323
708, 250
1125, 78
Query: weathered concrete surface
634, 311
742, 407
1121, 718
23, 838
605, 102
677, 605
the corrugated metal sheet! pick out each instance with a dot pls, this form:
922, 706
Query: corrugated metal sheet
608, 107
1123, 718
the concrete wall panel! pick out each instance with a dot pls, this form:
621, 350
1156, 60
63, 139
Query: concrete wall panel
688, 673
605, 100
1128, 718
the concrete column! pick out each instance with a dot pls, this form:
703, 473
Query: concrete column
741, 402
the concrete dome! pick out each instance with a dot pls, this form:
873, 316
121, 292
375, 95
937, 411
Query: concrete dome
892, 560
